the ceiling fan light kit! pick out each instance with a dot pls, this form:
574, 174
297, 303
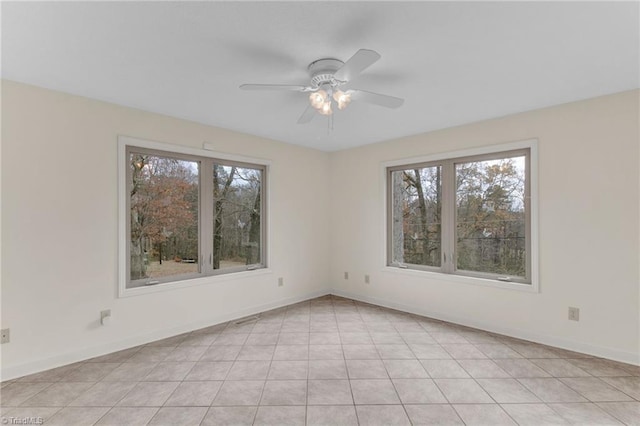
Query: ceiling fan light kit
327, 75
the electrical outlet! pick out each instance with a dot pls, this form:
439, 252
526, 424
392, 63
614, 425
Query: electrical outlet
574, 314
5, 335
346, 275
105, 317
280, 282
366, 279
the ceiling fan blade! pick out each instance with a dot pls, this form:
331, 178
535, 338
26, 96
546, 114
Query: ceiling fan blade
290, 87
307, 115
362, 59
376, 98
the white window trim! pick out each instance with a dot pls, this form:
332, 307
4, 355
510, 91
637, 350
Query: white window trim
123, 216
532, 145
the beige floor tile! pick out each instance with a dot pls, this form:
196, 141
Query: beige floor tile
291, 352
483, 369
259, 339
179, 416
77, 416
483, 415
444, 369
186, 353
360, 352
382, 415
336, 415
130, 372
249, 370
229, 416
90, 372
209, 370
327, 369
16, 393
395, 352
560, 368
103, 394
429, 352
280, 416
194, 394
552, 390
169, 371
463, 391
628, 385
626, 412
366, 369
288, 370
39, 413
325, 352
329, 392
256, 353
374, 391
418, 391
362, 338
433, 415
521, 368
221, 353
148, 394
58, 394
533, 414
405, 369
463, 351
284, 392
242, 392
584, 414
507, 391
324, 338
595, 390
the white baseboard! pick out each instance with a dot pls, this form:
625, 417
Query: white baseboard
14, 371
547, 339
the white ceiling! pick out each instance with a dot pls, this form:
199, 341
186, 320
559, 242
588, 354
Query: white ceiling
454, 62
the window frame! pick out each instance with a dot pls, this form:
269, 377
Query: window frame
448, 270
206, 156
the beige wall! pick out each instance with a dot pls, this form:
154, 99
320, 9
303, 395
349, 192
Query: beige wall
588, 228
60, 229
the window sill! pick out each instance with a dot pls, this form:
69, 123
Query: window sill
209, 279
528, 288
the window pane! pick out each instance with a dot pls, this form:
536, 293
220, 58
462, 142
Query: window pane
490, 216
416, 210
164, 217
237, 216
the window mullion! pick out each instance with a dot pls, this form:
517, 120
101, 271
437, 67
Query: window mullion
448, 217
206, 216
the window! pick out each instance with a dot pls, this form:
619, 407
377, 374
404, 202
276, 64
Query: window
190, 216
468, 215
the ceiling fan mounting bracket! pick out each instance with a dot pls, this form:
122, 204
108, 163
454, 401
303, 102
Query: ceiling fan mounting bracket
322, 71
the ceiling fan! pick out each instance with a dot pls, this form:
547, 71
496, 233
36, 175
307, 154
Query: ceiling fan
327, 76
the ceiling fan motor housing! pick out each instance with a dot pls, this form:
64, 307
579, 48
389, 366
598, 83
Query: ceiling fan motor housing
322, 71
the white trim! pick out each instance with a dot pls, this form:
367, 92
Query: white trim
546, 339
208, 279
206, 151
43, 364
123, 215
532, 145
462, 279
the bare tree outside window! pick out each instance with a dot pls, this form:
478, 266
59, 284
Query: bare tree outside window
465, 216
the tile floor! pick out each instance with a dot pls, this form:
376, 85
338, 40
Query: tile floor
332, 361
